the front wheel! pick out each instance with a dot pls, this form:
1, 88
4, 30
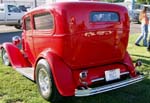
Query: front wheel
5, 58
45, 82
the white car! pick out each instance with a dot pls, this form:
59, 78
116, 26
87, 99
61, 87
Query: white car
10, 15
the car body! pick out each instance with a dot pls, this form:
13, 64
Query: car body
8, 16
69, 47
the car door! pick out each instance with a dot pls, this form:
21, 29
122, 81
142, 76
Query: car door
27, 36
14, 14
43, 31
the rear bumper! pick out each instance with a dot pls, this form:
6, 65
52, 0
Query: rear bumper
92, 91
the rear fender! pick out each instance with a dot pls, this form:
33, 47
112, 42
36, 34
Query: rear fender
61, 73
129, 63
15, 56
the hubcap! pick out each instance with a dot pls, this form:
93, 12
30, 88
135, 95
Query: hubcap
5, 58
44, 82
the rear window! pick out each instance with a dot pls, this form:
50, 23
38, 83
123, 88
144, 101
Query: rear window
104, 17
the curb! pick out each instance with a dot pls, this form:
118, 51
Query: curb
10, 32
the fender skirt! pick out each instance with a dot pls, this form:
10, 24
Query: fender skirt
61, 73
16, 58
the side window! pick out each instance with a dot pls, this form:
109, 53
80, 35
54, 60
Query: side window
43, 21
13, 9
27, 23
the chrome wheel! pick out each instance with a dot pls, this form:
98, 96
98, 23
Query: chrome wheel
5, 58
44, 82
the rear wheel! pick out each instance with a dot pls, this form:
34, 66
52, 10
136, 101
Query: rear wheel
45, 82
5, 58
17, 26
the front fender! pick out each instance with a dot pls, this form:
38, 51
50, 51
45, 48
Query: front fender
16, 58
61, 73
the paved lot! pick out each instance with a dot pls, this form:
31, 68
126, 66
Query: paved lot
135, 28
5, 29
7, 37
7, 32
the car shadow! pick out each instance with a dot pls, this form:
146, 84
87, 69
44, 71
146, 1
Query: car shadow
136, 93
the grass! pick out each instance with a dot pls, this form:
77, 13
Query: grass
15, 88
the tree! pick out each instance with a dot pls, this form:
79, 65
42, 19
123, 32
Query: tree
115, 0
144, 1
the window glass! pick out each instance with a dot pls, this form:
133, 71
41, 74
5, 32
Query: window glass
22, 8
43, 21
27, 23
104, 17
13, 8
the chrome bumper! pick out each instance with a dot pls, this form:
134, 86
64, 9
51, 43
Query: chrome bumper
105, 88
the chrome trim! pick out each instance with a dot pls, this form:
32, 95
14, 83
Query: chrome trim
99, 79
124, 73
105, 88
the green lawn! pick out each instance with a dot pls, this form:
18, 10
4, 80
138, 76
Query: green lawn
15, 88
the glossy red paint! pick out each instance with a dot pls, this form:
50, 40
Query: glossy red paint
62, 76
99, 71
75, 44
70, 38
15, 56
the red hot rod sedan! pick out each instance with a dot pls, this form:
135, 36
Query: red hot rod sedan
73, 49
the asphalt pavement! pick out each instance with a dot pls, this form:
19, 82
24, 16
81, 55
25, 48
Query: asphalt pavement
7, 37
6, 29
135, 28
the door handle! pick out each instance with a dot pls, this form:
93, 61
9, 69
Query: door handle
9, 14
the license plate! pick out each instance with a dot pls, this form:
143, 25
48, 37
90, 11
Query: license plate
112, 74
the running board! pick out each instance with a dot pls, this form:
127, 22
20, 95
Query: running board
27, 72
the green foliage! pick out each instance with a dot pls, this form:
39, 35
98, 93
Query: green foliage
144, 1
15, 88
114, 0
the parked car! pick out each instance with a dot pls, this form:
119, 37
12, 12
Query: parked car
10, 15
74, 49
132, 13
136, 12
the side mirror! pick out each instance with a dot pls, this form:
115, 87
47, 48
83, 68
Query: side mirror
16, 40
